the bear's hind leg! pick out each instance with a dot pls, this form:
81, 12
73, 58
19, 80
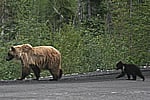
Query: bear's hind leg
60, 73
54, 74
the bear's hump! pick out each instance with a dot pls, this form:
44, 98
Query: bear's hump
50, 48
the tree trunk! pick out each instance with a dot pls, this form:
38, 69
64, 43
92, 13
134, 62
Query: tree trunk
109, 17
2, 17
80, 10
130, 33
89, 9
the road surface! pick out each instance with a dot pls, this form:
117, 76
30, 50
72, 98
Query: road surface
89, 88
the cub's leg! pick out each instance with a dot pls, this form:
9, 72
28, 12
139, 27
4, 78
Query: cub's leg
128, 75
36, 71
134, 76
141, 76
121, 75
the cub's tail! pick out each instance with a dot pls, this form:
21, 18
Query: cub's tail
60, 73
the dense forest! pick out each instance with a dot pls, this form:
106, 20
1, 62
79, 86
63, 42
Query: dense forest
90, 34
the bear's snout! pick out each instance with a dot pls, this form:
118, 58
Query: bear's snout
9, 57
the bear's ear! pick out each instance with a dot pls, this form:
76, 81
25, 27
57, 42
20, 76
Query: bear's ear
26, 47
12, 48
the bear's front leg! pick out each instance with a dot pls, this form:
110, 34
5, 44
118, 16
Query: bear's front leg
25, 72
36, 71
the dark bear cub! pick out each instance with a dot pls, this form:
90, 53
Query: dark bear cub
129, 69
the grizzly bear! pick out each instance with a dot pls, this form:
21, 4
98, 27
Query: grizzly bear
129, 69
37, 58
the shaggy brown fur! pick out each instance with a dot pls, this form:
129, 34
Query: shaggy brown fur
37, 58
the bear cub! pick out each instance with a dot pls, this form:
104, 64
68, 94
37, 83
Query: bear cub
129, 69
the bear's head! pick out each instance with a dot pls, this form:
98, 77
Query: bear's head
17, 51
119, 65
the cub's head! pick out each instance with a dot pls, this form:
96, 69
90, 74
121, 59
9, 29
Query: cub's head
17, 51
119, 65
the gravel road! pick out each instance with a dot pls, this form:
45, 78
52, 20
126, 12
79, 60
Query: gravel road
78, 87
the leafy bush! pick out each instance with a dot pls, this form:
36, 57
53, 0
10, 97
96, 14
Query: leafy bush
110, 35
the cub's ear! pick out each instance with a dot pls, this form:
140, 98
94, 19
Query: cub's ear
26, 47
120, 62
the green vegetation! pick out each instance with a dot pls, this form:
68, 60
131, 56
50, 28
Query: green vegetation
90, 34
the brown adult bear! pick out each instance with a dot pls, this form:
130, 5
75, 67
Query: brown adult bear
37, 58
